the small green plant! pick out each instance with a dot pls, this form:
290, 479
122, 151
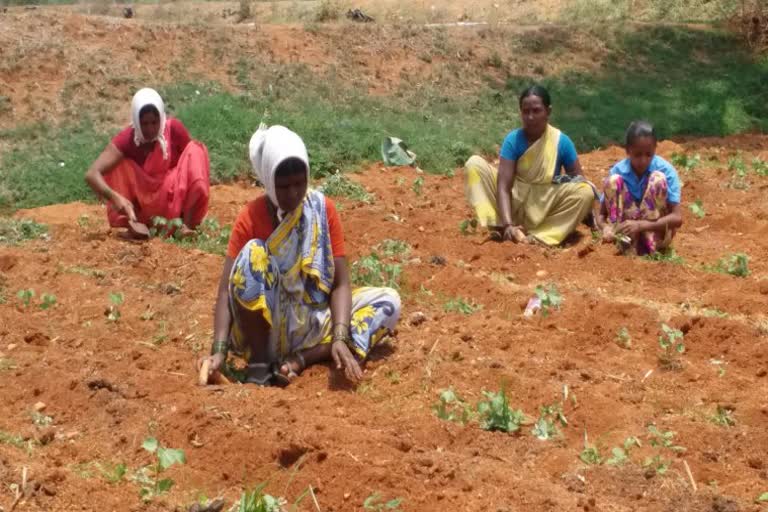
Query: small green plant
116, 299
657, 464
623, 338
148, 477
724, 417
165, 228
590, 455
545, 427
418, 184
735, 265
664, 439
468, 226
494, 60
84, 222
697, 209
739, 169
666, 256
760, 167
620, 454
338, 185
549, 298
461, 305
372, 271
686, 162
452, 407
376, 503
762, 498
16, 441
495, 414
15, 231
40, 419
392, 247
257, 500
26, 296
672, 345
47, 301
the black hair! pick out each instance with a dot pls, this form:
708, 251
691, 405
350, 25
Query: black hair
638, 130
148, 108
536, 90
290, 167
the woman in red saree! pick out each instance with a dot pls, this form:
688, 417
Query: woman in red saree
152, 169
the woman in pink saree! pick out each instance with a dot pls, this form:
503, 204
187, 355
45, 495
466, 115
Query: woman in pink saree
152, 169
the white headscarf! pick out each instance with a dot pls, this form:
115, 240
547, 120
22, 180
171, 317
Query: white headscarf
268, 148
140, 100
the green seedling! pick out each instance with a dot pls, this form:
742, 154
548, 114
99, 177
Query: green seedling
724, 417
47, 301
739, 169
760, 167
6, 364
468, 226
116, 299
15, 231
735, 265
697, 209
495, 414
657, 464
418, 184
259, 501
392, 247
452, 407
666, 256
26, 296
375, 502
590, 455
550, 299
623, 338
665, 439
686, 162
620, 454
40, 419
545, 427
763, 498
148, 477
461, 305
672, 345
372, 271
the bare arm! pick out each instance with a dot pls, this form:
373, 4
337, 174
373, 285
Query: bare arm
507, 170
574, 169
105, 162
341, 294
222, 317
341, 313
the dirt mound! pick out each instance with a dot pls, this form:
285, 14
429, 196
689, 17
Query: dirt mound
107, 385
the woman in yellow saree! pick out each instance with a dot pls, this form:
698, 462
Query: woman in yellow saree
529, 199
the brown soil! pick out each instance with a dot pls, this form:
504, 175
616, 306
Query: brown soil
109, 385
57, 63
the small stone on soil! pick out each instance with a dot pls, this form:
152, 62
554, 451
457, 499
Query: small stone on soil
417, 318
39, 406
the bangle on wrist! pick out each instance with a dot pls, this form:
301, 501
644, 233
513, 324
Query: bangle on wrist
220, 347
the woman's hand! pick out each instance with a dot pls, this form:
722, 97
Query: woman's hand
631, 228
609, 235
124, 206
344, 359
514, 234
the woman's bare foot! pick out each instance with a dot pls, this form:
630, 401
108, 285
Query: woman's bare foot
292, 366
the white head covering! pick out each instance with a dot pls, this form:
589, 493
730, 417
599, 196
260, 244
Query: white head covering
140, 100
268, 148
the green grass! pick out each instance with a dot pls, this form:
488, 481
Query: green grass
15, 231
682, 79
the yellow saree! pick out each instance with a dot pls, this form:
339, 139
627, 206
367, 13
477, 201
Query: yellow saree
547, 211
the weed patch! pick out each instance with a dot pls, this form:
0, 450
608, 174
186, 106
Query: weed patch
16, 231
